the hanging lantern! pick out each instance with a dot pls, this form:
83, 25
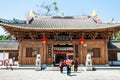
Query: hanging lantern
82, 40
44, 40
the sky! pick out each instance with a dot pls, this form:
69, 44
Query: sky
18, 9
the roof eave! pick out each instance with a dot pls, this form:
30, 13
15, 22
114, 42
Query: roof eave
60, 29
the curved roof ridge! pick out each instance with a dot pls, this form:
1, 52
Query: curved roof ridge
59, 18
42, 17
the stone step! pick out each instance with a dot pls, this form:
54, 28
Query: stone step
52, 68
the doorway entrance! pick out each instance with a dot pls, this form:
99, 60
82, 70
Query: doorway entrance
62, 51
58, 57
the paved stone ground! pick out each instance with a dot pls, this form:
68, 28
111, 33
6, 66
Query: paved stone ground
56, 75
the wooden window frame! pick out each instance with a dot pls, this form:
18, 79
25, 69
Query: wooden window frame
95, 52
32, 52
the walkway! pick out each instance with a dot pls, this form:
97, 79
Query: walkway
56, 75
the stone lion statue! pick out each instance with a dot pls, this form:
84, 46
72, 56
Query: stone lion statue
88, 60
38, 61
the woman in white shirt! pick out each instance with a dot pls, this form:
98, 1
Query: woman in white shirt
11, 63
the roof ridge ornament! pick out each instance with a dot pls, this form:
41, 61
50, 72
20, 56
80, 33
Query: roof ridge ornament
94, 14
62, 15
31, 14
95, 17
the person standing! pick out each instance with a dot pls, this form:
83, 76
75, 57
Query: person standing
68, 63
75, 65
61, 65
11, 63
6, 62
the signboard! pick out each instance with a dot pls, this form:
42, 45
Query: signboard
63, 38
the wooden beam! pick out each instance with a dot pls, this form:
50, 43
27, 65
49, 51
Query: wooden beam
93, 35
32, 34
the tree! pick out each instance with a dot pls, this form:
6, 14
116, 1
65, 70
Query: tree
47, 9
5, 37
117, 37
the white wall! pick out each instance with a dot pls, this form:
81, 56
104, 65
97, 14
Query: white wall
4, 56
2, 32
118, 56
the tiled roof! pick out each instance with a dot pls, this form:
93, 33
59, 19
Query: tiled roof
59, 23
114, 45
8, 45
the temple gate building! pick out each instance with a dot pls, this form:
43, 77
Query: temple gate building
57, 37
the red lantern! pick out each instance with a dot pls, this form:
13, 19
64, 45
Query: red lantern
82, 40
44, 40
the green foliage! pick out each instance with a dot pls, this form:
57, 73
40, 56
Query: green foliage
47, 9
54, 3
55, 6
117, 37
5, 37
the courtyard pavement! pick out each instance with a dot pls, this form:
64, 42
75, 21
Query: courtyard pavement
56, 75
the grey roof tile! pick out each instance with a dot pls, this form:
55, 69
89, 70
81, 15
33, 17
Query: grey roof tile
62, 23
114, 44
8, 45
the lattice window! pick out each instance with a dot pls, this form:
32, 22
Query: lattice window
95, 52
32, 52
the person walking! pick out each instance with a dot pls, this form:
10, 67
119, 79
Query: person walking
75, 65
61, 65
68, 63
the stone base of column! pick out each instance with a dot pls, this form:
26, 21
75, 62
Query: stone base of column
88, 69
38, 68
